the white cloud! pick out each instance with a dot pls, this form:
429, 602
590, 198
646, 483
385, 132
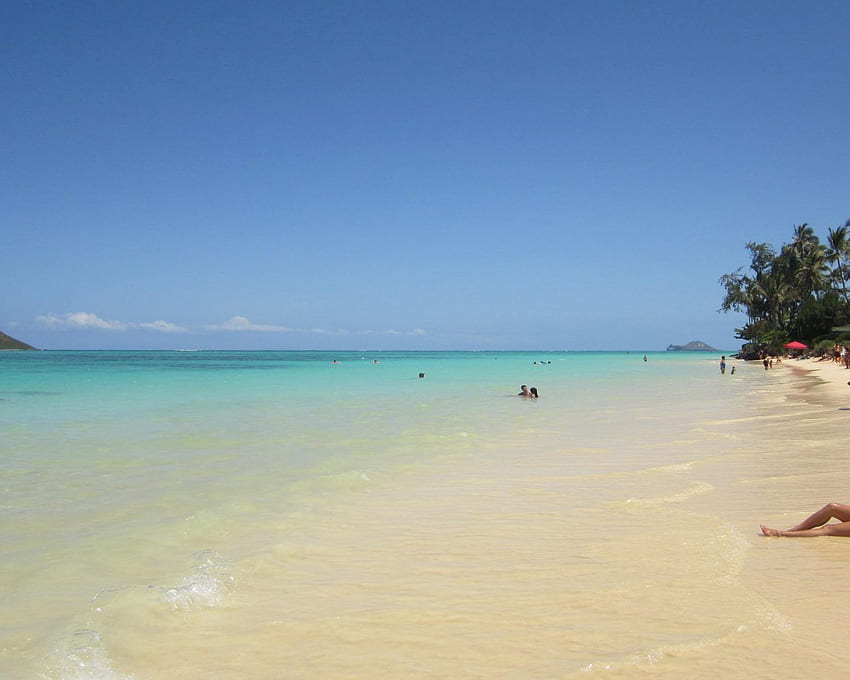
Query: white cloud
415, 331
240, 323
87, 320
81, 320
164, 327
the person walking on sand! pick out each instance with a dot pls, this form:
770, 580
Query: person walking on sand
816, 524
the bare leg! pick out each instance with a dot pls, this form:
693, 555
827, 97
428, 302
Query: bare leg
822, 516
837, 529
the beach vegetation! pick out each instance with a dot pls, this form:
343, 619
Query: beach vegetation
795, 292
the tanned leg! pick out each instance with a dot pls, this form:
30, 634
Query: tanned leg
822, 516
838, 529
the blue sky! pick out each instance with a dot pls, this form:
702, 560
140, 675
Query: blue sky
399, 175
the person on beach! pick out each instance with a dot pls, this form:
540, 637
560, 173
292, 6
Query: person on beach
723, 364
523, 391
816, 524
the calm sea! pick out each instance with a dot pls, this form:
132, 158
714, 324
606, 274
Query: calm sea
333, 515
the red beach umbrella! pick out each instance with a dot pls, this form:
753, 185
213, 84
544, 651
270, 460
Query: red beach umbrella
796, 345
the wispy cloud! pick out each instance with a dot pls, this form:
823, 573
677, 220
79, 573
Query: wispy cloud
87, 320
415, 331
80, 320
236, 324
240, 323
164, 327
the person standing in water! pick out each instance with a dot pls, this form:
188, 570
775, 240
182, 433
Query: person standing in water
723, 364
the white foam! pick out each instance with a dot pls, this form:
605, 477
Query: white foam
697, 488
84, 658
675, 467
652, 657
209, 583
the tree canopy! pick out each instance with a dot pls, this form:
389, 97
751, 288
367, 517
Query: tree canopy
796, 292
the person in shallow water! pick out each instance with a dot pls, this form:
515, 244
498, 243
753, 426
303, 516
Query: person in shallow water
533, 393
523, 391
816, 523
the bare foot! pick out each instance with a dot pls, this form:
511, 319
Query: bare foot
769, 532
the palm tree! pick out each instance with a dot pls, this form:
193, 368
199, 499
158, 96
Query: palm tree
837, 253
793, 290
804, 240
762, 256
811, 273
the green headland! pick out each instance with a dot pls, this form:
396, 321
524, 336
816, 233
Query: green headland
8, 342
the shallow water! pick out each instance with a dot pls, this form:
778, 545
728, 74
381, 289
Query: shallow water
275, 515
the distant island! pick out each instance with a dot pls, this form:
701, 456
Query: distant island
692, 346
8, 342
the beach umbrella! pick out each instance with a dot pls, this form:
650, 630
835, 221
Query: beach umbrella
796, 345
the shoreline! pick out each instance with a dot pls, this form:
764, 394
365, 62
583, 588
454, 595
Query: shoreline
833, 376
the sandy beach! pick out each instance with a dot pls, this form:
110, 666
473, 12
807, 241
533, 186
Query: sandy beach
833, 375
797, 440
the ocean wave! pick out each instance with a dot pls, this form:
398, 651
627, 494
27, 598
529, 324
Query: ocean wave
209, 583
655, 655
82, 653
673, 467
334, 482
764, 616
82, 657
785, 415
696, 489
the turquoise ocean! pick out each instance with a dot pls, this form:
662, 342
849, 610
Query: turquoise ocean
201, 514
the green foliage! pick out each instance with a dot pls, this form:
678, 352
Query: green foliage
822, 347
798, 292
